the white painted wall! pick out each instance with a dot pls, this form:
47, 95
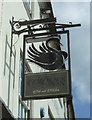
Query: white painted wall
1, 11
17, 10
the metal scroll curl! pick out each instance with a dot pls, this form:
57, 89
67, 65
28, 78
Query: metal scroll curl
18, 28
48, 57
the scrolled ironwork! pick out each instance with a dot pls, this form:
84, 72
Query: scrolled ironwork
20, 27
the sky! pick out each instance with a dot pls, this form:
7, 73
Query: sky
78, 12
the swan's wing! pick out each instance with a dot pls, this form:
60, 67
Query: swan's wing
45, 47
35, 49
42, 49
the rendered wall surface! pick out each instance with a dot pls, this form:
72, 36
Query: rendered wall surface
17, 10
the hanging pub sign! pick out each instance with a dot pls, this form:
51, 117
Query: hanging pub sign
46, 85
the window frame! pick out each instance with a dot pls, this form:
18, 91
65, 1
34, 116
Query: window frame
24, 104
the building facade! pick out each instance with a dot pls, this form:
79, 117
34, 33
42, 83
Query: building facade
11, 47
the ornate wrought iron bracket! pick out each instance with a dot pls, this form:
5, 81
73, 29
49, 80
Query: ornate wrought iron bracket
19, 27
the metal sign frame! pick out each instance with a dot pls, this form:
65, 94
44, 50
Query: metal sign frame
23, 77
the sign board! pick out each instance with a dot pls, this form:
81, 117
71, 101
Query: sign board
46, 85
